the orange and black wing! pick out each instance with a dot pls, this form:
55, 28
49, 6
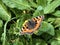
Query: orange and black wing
32, 25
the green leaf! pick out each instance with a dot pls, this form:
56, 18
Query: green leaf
41, 2
17, 42
19, 4
38, 12
1, 23
55, 42
57, 13
57, 34
33, 4
49, 1
44, 26
51, 30
3, 13
51, 20
57, 22
51, 7
39, 42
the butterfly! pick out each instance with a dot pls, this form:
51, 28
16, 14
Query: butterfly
31, 25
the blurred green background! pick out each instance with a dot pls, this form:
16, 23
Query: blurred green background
13, 14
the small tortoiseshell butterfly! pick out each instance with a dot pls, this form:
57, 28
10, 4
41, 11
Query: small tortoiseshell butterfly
31, 25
